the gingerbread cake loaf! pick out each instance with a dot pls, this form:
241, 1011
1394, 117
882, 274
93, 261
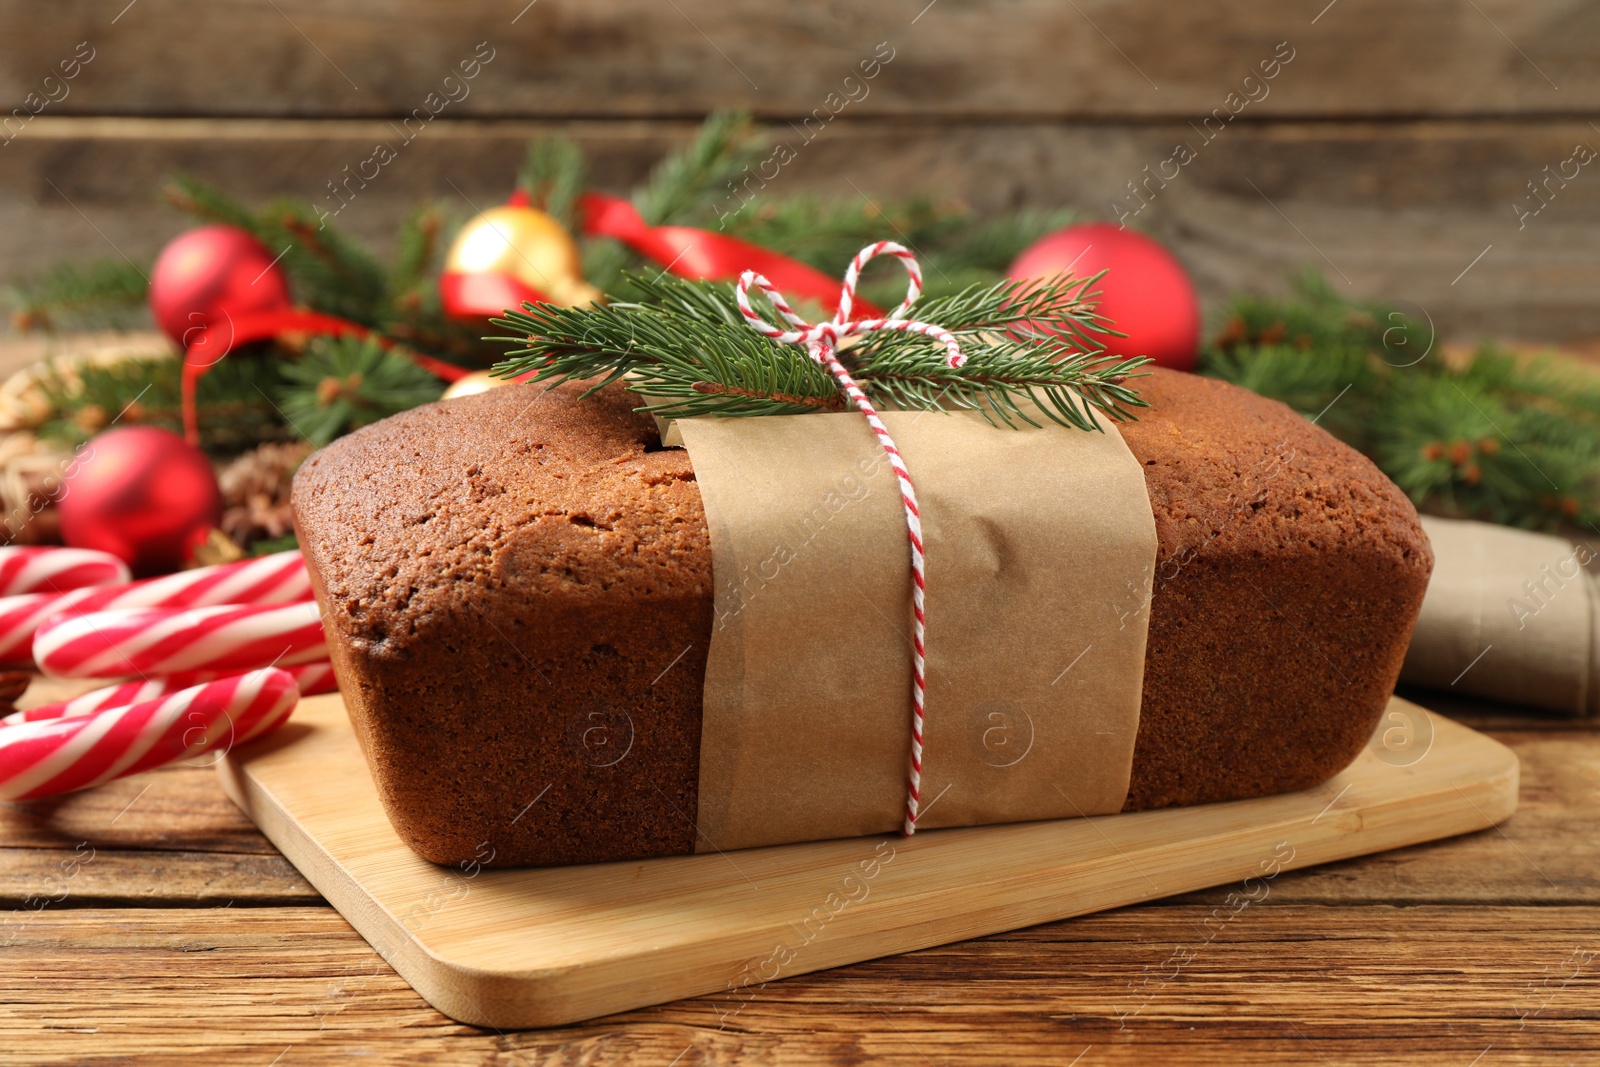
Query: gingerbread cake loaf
498, 570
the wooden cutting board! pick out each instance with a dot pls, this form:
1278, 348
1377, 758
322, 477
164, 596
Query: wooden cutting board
540, 947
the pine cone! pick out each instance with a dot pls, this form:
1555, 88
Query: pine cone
255, 491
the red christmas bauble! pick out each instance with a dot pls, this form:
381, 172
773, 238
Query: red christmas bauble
1145, 292
143, 495
205, 276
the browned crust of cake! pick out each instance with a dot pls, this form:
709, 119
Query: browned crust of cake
1289, 574
518, 587
507, 580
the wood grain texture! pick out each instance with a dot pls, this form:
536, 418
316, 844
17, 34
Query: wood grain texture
1393, 211
640, 58
1281, 982
89, 876
190, 844
539, 947
193, 846
174, 810
1365, 981
1545, 854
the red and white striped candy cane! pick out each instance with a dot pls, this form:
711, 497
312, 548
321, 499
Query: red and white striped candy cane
310, 678
145, 641
280, 578
822, 343
50, 569
62, 755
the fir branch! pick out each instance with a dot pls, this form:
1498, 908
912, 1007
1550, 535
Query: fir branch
101, 293
234, 400
554, 176
333, 273
1498, 437
1062, 308
209, 204
416, 246
681, 183
832, 403
825, 233
327, 270
342, 383
999, 376
680, 190
686, 348
1469, 452
669, 352
991, 244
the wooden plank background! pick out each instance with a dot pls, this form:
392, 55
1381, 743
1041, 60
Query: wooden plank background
1388, 153
1104, 59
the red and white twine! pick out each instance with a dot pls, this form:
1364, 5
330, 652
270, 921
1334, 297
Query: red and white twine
821, 341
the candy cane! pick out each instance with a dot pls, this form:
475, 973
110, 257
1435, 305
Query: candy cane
144, 641
63, 755
48, 569
277, 579
310, 678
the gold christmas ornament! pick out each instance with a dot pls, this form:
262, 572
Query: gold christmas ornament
508, 255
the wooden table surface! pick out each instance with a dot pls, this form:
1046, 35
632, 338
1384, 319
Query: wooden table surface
149, 922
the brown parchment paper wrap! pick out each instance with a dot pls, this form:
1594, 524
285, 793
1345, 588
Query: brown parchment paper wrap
1509, 615
1033, 538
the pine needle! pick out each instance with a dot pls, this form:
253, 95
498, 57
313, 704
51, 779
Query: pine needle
682, 183
1497, 437
342, 384
685, 347
97, 294
554, 176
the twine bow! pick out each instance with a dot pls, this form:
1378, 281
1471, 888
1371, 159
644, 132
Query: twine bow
821, 341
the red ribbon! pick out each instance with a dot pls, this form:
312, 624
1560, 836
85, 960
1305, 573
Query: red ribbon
475, 297
214, 340
685, 251
701, 254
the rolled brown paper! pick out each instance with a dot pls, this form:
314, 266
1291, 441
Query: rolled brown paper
1509, 615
